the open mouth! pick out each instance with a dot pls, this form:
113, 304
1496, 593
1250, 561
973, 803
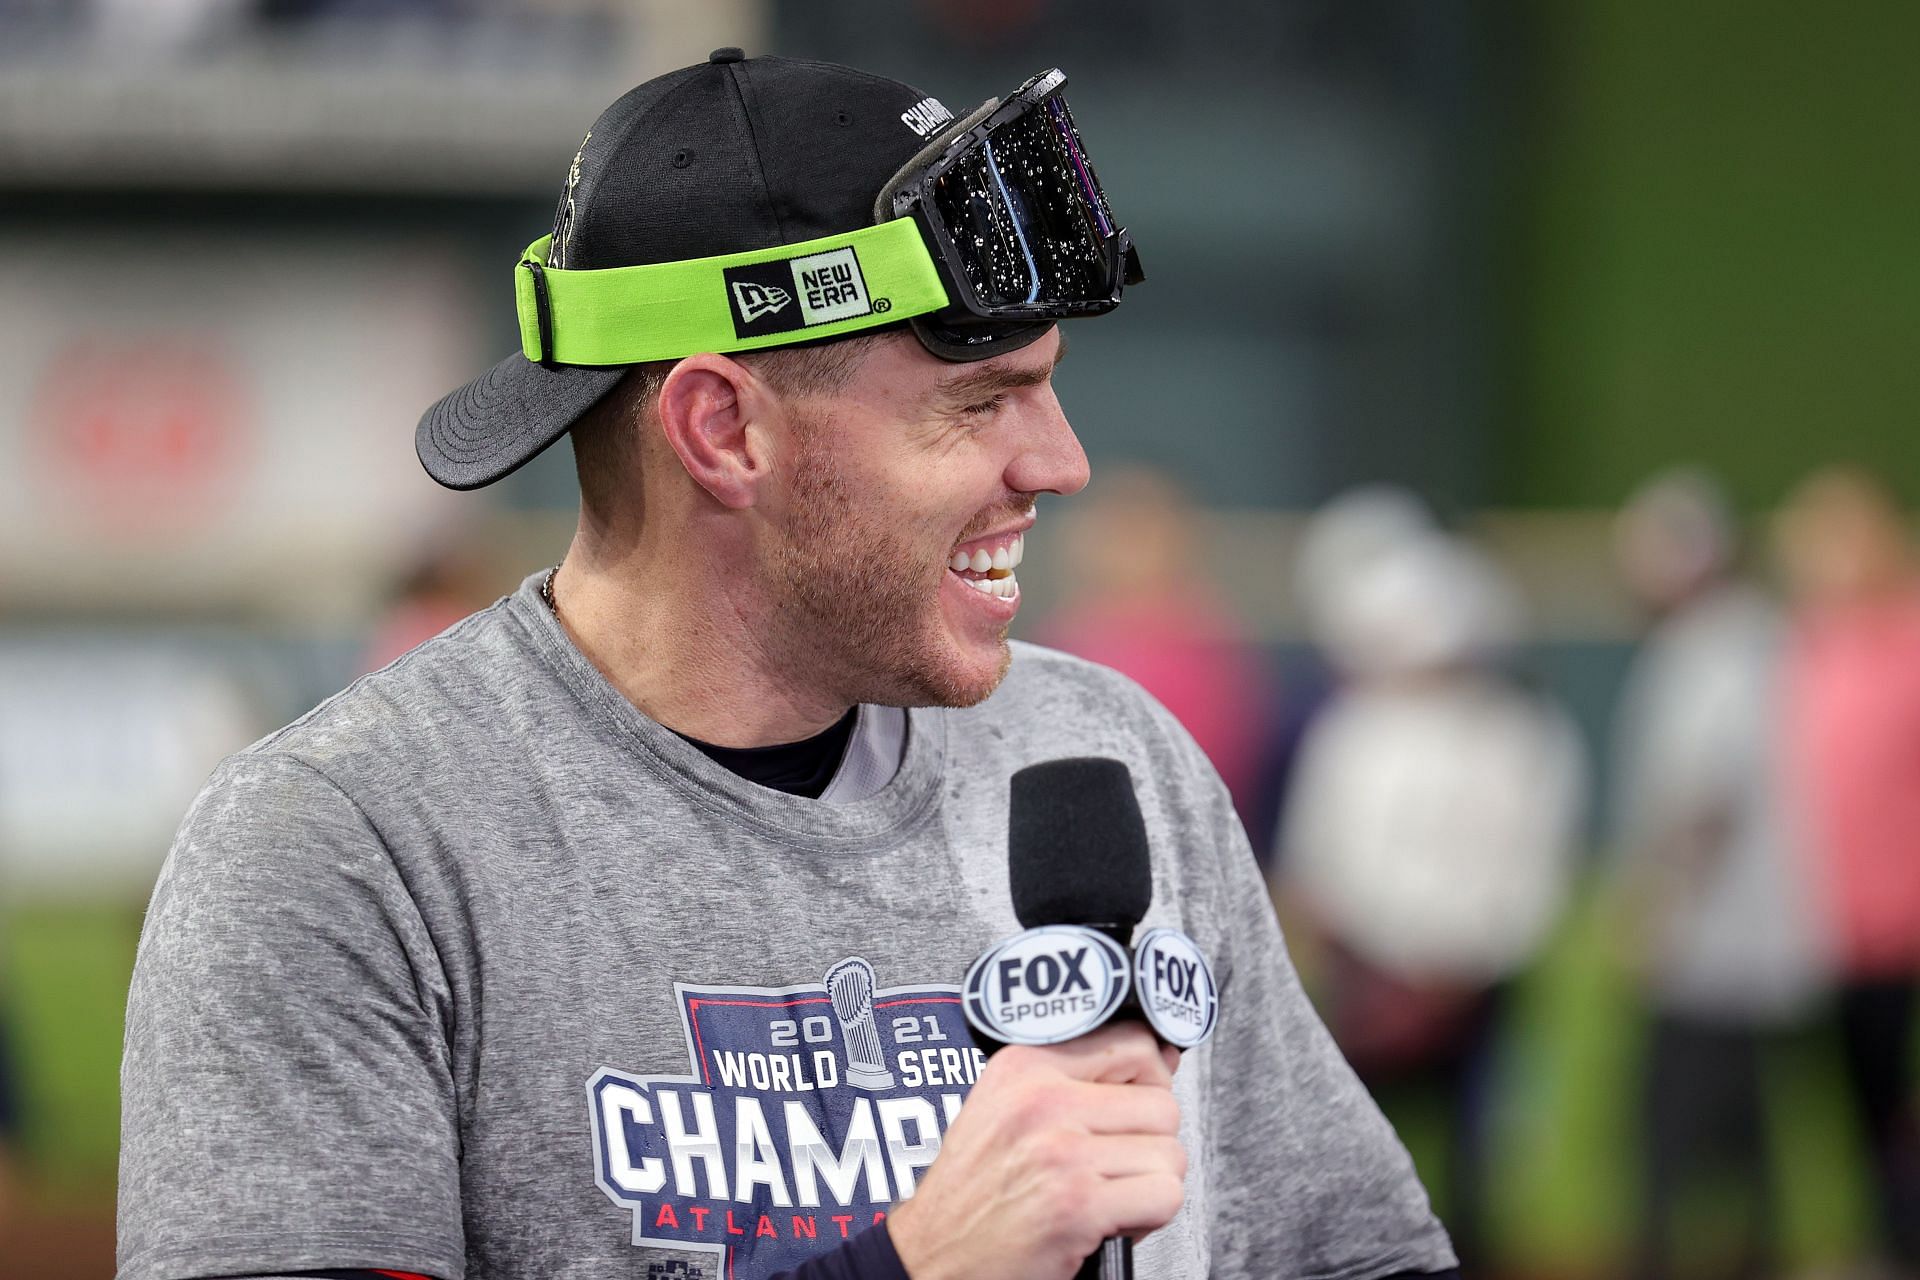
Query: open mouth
988, 566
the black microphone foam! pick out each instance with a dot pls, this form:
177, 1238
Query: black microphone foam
1077, 845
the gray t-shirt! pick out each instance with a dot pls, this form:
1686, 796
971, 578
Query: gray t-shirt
476, 971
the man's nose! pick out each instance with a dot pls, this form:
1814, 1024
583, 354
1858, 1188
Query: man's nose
1050, 459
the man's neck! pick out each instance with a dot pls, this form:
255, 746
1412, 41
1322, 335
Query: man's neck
689, 654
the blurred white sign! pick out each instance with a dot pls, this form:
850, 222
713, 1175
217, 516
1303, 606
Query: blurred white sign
103, 745
221, 421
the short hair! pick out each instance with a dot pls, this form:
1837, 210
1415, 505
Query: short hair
606, 439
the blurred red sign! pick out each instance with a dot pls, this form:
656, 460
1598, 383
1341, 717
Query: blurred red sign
141, 436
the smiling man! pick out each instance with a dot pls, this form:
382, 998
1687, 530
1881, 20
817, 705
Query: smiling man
829, 526
617, 931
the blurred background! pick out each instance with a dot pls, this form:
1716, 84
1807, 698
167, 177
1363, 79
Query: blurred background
1505, 474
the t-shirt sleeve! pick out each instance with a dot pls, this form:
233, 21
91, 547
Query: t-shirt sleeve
1301, 1164
286, 1092
868, 1256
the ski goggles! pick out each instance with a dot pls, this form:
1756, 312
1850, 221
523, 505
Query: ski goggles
994, 231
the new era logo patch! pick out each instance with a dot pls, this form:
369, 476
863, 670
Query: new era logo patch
755, 300
831, 286
824, 288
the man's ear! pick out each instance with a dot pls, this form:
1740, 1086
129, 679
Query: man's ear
710, 408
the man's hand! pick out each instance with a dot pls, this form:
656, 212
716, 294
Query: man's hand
1055, 1150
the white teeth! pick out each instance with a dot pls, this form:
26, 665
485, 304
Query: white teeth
1002, 559
1004, 588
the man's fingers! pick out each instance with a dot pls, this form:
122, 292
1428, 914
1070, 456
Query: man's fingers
1141, 1203
1118, 1053
1133, 1155
1065, 1141
1127, 1108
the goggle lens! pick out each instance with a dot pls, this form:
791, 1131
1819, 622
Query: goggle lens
1026, 214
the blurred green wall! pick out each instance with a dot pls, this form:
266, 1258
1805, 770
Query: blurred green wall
1716, 245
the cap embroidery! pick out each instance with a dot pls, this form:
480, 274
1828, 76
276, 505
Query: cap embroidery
926, 116
563, 225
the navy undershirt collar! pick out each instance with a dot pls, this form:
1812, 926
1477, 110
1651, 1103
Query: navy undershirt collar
802, 768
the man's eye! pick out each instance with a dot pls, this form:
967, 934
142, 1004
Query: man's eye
986, 406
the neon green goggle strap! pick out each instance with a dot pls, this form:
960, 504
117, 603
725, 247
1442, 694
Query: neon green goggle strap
736, 302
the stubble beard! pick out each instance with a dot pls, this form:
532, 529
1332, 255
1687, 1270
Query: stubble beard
861, 612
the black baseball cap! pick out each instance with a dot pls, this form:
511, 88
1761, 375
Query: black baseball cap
730, 155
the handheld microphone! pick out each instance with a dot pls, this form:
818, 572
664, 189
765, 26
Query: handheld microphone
1077, 847
1081, 880
1077, 854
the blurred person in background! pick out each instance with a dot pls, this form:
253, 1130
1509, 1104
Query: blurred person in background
1713, 910
1342, 539
9, 1125
1144, 605
9, 1081
1430, 833
1342, 535
447, 582
9, 1098
1853, 737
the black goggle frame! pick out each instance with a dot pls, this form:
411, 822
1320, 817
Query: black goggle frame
913, 193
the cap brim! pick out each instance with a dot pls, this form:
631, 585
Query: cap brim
502, 420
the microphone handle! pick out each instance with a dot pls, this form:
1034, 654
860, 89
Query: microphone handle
1114, 1261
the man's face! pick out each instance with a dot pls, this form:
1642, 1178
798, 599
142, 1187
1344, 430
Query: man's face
917, 466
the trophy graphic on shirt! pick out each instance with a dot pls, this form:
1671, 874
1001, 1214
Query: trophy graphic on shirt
850, 984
